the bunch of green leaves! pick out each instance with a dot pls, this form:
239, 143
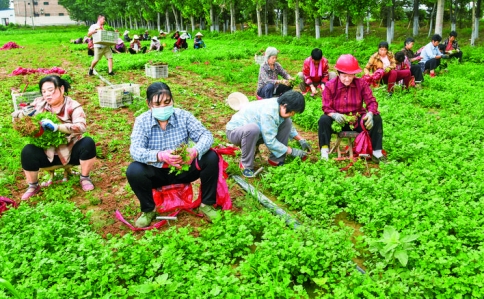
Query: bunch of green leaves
48, 138
108, 28
295, 81
350, 119
393, 245
181, 151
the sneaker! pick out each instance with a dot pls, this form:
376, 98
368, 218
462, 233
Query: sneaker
210, 212
382, 159
247, 172
31, 191
324, 154
111, 73
145, 219
91, 72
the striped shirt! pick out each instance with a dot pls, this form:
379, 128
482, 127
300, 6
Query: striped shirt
265, 114
338, 98
147, 138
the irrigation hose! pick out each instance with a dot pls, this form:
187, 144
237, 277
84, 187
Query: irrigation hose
270, 205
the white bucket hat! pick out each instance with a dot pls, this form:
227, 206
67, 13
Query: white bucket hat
154, 38
237, 100
184, 36
135, 37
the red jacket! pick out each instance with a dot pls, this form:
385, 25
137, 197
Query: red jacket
316, 77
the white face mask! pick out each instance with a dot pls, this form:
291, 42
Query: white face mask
162, 113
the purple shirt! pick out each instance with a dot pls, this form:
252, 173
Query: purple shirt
348, 99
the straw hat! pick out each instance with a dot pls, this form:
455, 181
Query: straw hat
135, 37
199, 34
154, 38
184, 36
237, 100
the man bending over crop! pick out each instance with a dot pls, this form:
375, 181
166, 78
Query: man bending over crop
267, 121
345, 95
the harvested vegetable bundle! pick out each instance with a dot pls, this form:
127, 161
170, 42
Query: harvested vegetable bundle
30, 127
181, 151
349, 119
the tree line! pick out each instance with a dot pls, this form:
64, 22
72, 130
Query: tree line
226, 15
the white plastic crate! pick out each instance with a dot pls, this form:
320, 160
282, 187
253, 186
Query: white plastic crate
156, 71
259, 59
20, 99
118, 95
107, 38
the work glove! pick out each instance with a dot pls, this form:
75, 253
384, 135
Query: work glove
339, 118
305, 145
368, 120
168, 158
192, 153
47, 124
28, 110
298, 153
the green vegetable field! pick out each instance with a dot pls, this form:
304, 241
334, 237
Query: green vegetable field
412, 228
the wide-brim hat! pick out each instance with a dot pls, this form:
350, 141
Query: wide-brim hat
237, 100
135, 37
161, 32
154, 38
184, 36
199, 34
126, 32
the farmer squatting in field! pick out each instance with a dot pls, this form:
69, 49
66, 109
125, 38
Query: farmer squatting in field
78, 150
269, 122
156, 134
345, 95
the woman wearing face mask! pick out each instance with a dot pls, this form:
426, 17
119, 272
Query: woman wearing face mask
156, 134
78, 150
346, 95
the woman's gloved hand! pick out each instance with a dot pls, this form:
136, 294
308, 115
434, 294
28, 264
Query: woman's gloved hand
167, 157
47, 124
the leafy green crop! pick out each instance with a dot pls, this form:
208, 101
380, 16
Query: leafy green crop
392, 245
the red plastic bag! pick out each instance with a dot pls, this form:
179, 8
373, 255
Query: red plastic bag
172, 197
362, 144
4, 202
223, 196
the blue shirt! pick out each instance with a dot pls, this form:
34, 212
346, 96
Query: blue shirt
265, 114
429, 52
147, 138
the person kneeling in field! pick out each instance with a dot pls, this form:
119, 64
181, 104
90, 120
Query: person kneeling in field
345, 95
268, 84
267, 121
78, 150
315, 73
156, 134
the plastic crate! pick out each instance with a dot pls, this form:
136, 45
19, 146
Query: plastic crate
156, 71
259, 59
119, 95
107, 38
23, 99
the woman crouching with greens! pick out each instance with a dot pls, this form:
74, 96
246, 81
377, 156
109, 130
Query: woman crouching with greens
71, 121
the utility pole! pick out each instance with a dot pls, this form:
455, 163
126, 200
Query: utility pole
25, 3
